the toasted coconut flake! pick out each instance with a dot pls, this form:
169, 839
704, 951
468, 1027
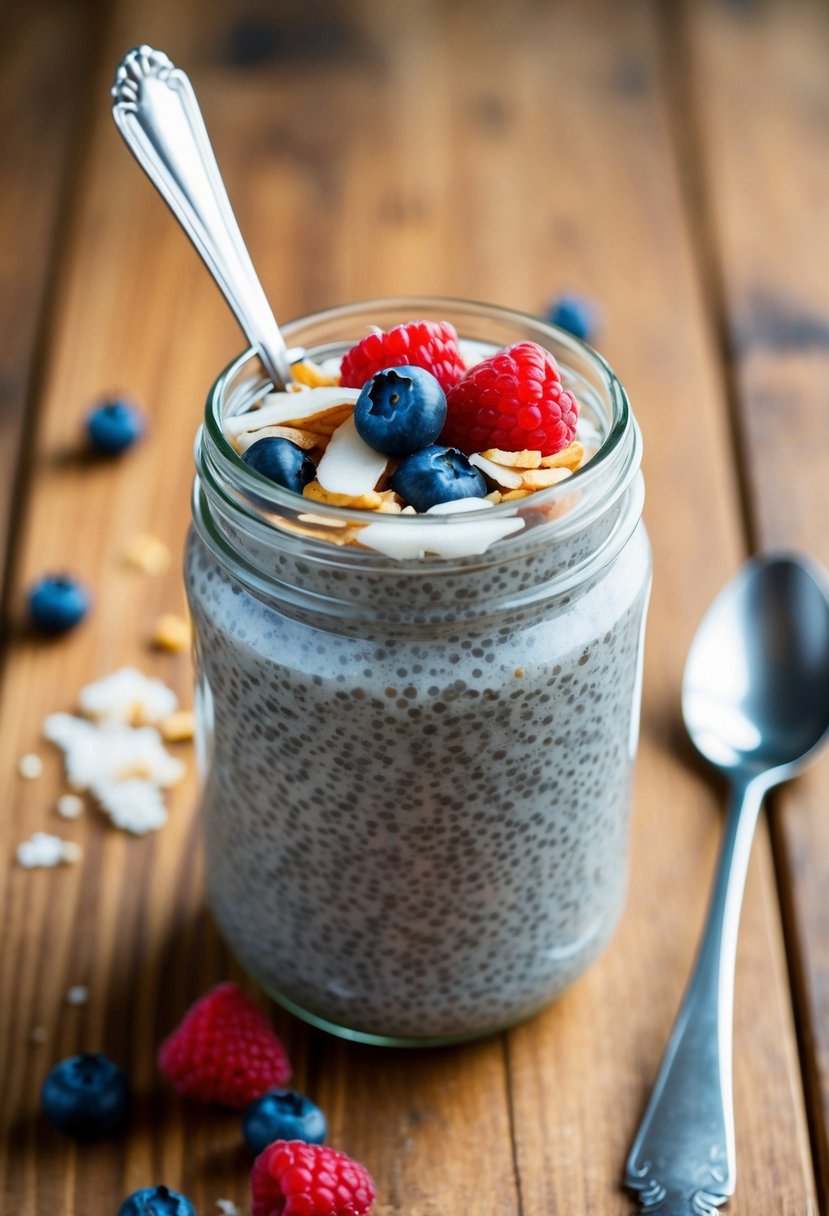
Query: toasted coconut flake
369, 501
310, 374
286, 409
390, 503
303, 439
539, 479
494, 497
568, 458
507, 478
512, 495
322, 521
525, 459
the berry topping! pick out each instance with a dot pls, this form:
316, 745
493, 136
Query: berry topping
281, 461
294, 1179
86, 1096
575, 314
282, 1115
57, 603
114, 426
400, 410
156, 1201
432, 345
436, 474
513, 400
224, 1051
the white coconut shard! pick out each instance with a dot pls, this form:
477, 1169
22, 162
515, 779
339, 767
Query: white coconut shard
43, 850
418, 540
127, 696
508, 478
134, 805
281, 408
348, 465
473, 352
457, 506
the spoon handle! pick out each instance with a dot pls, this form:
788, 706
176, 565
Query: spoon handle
158, 115
683, 1158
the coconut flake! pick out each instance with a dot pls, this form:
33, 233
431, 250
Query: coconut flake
504, 477
279, 408
416, 540
348, 465
43, 850
127, 696
473, 352
135, 805
457, 505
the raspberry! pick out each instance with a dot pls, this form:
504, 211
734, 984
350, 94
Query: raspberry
429, 344
224, 1051
291, 1178
513, 400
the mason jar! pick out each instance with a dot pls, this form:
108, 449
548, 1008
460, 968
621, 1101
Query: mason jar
417, 771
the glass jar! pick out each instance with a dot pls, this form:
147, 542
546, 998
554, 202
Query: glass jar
417, 772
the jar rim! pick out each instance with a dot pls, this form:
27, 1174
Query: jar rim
251, 485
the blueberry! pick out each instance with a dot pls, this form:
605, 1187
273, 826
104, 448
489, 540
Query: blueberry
114, 426
156, 1201
400, 410
57, 603
86, 1096
437, 474
281, 461
282, 1114
575, 314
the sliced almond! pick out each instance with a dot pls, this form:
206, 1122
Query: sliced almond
309, 373
369, 501
290, 409
525, 459
303, 439
539, 479
496, 472
568, 458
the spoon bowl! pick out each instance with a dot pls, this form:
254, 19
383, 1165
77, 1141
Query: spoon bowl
755, 695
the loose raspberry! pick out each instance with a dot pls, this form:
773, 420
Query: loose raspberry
513, 400
224, 1051
429, 344
292, 1178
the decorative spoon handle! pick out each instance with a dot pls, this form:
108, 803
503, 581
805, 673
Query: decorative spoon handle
683, 1161
158, 115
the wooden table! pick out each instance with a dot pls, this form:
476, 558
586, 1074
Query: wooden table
671, 160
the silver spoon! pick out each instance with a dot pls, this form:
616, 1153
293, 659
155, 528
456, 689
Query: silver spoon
158, 115
755, 700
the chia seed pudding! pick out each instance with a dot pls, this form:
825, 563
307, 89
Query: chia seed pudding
417, 772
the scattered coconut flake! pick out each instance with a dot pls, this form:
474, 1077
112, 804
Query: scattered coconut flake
458, 540
171, 633
30, 766
280, 408
496, 472
111, 752
39, 1035
77, 995
135, 805
43, 850
228, 1208
349, 465
457, 505
303, 439
70, 806
127, 696
147, 553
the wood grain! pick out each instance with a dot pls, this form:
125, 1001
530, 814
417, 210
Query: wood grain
763, 135
45, 49
373, 150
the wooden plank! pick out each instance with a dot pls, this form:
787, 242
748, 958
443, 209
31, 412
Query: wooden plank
763, 134
452, 100
44, 51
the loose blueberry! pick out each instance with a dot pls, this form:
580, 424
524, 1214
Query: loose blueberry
575, 314
400, 410
57, 603
281, 461
86, 1096
156, 1201
437, 474
282, 1114
114, 426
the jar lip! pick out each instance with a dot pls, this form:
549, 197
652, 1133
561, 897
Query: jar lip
256, 487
